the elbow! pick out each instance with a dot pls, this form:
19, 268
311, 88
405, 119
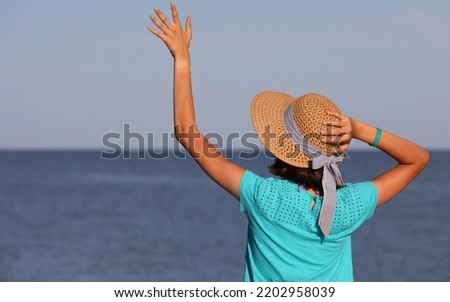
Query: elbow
177, 132
184, 132
423, 158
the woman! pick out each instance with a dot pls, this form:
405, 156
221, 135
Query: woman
300, 224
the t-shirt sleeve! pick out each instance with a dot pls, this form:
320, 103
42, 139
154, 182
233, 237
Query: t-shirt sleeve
248, 190
360, 202
369, 196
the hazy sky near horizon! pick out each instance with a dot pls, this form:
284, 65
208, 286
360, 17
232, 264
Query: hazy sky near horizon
71, 71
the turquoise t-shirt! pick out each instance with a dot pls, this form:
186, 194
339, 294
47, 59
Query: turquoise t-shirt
284, 242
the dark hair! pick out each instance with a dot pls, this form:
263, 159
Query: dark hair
306, 177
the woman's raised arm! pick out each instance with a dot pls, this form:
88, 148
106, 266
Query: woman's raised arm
177, 40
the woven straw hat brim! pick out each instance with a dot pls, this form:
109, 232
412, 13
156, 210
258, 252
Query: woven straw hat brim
267, 113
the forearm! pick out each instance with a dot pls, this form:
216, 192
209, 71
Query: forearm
402, 150
183, 104
411, 159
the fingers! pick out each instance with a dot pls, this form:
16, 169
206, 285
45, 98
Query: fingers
337, 132
165, 25
333, 132
330, 134
335, 136
332, 129
175, 17
163, 18
332, 139
338, 144
334, 123
158, 24
341, 118
155, 32
336, 114
340, 149
188, 27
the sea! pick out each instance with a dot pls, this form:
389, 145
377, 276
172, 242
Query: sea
73, 215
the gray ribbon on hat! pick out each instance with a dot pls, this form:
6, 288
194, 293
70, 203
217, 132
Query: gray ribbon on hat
331, 173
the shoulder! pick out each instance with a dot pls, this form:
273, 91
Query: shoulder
365, 190
249, 179
362, 192
253, 187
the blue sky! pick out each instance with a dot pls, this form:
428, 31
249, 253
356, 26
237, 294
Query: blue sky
71, 71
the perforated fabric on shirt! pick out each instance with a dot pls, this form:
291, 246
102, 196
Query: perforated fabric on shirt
281, 201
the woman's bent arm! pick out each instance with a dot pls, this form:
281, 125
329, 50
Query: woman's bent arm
411, 159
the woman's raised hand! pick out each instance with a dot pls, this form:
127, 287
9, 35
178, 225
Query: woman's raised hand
172, 34
339, 132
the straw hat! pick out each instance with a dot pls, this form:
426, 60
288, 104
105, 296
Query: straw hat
309, 113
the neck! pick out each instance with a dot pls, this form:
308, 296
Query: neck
312, 191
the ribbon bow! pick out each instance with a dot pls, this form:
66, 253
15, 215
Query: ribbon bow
331, 173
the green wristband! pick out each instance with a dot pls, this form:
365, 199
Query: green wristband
376, 141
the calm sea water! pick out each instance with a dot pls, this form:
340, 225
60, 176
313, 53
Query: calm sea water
72, 216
